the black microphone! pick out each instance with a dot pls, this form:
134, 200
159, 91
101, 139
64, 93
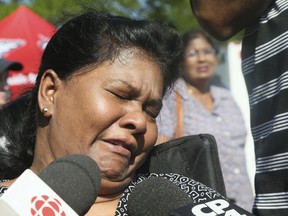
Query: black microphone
159, 196
156, 196
76, 179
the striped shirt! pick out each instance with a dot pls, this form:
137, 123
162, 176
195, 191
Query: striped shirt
265, 68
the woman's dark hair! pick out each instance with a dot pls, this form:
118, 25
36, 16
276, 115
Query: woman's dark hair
94, 37
16, 137
190, 35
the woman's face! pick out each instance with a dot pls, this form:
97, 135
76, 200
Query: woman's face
200, 60
4, 88
109, 114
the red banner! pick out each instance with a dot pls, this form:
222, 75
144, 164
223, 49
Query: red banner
23, 36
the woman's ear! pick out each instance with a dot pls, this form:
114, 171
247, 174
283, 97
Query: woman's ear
49, 85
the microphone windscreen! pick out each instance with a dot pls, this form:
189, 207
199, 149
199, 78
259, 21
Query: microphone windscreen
156, 196
76, 179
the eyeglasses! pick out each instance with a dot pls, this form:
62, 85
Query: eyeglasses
196, 53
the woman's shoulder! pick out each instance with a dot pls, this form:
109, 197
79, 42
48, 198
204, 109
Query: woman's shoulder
221, 92
220, 89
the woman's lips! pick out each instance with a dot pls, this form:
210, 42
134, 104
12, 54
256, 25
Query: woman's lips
120, 147
203, 68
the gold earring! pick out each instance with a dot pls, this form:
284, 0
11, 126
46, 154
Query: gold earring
44, 110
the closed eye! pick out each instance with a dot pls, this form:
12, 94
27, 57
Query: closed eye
153, 109
121, 96
152, 114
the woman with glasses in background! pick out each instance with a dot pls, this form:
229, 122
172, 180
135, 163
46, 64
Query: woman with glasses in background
197, 106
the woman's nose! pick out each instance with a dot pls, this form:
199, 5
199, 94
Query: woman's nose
202, 56
135, 121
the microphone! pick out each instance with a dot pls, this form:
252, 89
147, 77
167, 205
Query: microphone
156, 196
159, 196
68, 187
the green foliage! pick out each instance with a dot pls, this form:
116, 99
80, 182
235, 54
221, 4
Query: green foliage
56, 11
178, 12
6, 9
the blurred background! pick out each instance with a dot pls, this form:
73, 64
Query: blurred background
54, 11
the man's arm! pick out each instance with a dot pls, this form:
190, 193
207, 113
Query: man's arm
225, 18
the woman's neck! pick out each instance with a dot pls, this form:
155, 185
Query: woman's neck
107, 198
104, 205
198, 88
8, 183
203, 94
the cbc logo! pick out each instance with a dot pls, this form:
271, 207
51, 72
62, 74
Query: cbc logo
46, 206
214, 208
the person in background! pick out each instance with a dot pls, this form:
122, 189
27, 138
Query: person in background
197, 106
5, 67
16, 138
98, 92
264, 66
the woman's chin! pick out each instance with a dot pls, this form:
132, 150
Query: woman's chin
116, 174
114, 185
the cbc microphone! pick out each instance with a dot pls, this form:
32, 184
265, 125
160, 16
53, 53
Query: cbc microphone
67, 187
159, 196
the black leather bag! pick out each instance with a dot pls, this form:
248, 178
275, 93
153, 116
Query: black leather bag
194, 156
